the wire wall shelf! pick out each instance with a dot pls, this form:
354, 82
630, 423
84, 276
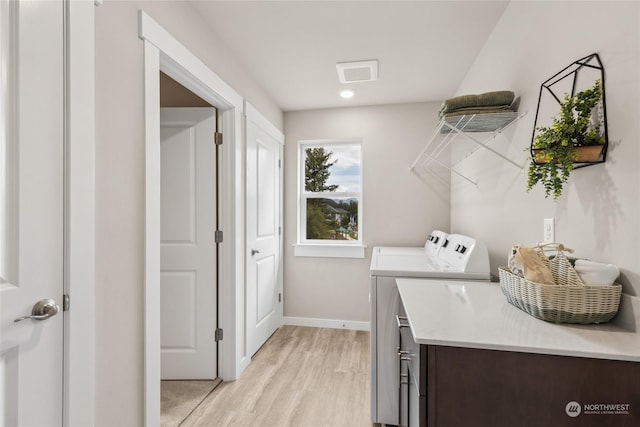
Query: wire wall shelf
433, 160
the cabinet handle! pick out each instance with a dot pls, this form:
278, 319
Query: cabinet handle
399, 321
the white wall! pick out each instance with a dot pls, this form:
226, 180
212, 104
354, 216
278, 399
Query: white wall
599, 210
399, 209
119, 188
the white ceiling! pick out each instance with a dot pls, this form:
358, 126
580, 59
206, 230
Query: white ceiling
424, 48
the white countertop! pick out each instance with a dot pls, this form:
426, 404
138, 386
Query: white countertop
477, 315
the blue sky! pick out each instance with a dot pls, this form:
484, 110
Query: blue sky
346, 171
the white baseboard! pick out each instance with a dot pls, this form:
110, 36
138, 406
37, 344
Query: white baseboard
327, 323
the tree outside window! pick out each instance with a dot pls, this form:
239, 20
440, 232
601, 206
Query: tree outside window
331, 200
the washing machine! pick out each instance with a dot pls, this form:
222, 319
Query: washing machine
444, 256
431, 247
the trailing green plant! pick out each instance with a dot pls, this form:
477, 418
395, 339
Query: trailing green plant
555, 146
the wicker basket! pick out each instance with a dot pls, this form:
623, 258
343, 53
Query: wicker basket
568, 301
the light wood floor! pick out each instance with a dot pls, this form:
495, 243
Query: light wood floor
301, 377
179, 398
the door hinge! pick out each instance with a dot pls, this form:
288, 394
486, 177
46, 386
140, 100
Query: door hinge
217, 137
279, 163
218, 334
218, 236
279, 296
279, 230
66, 302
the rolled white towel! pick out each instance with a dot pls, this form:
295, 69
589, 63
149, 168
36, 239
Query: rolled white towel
595, 273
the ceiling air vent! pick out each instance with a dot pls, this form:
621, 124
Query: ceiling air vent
359, 71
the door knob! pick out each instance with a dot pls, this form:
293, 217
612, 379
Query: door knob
43, 309
254, 251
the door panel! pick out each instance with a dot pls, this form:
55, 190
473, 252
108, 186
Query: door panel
178, 297
267, 175
178, 183
188, 249
264, 307
266, 286
31, 210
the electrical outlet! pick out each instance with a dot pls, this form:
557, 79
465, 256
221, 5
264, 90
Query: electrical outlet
549, 231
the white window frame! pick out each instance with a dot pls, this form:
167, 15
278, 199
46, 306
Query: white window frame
327, 248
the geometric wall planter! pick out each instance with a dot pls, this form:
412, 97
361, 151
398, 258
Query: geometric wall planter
573, 79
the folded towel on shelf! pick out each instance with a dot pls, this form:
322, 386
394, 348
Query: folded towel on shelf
477, 110
502, 97
595, 273
480, 109
484, 122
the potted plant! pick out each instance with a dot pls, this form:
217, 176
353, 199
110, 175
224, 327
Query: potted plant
573, 137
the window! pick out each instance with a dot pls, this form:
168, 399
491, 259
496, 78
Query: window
330, 198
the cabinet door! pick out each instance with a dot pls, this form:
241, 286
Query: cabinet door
404, 360
500, 388
417, 401
413, 400
405, 392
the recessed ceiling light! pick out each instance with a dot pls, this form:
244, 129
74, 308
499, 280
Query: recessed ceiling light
347, 93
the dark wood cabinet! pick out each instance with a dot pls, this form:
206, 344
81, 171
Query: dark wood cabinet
474, 387
459, 383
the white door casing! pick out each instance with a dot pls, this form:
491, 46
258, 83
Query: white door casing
31, 211
263, 195
162, 52
188, 249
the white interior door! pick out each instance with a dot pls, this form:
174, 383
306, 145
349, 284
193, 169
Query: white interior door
264, 284
31, 211
188, 249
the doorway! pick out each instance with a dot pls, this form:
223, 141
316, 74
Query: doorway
162, 52
264, 180
189, 252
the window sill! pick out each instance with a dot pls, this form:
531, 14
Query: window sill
329, 250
